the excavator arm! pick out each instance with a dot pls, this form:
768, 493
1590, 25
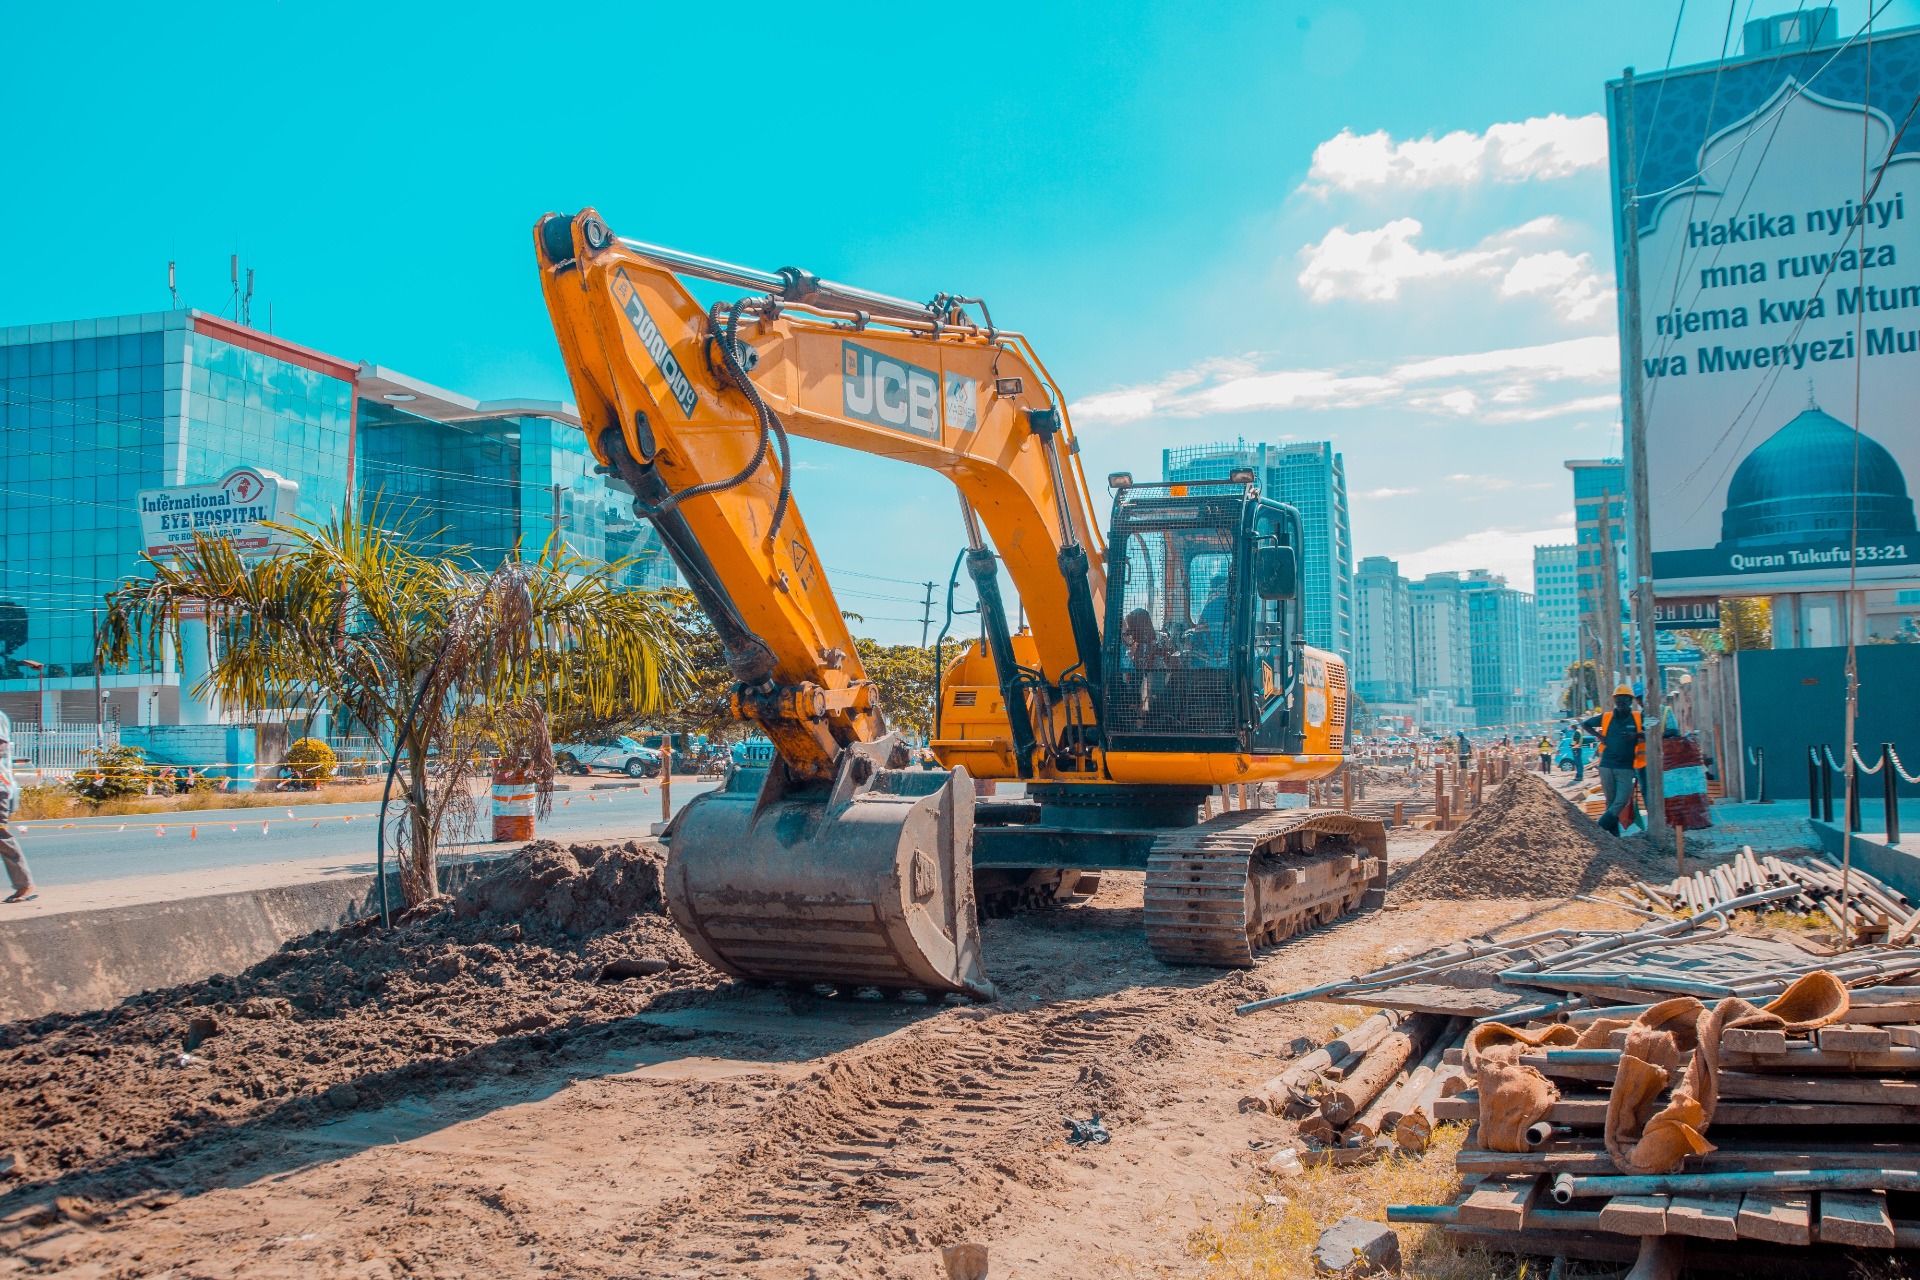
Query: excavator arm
690, 405
843, 864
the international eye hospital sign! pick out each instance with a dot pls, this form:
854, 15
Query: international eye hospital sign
237, 507
1766, 287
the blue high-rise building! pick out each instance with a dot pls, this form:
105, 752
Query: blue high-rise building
1600, 518
1311, 478
94, 411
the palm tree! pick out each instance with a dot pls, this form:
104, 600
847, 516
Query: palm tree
451, 664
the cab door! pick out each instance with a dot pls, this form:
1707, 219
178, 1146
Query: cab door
1273, 673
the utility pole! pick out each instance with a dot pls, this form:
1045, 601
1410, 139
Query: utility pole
1609, 603
926, 616
99, 697
556, 513
1655, 717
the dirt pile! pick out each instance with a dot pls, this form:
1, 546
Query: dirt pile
1527, 841
354, 1017
577, 889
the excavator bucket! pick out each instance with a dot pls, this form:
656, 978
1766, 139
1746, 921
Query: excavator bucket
866, 882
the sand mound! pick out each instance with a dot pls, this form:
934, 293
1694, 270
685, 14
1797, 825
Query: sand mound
577, 890
508, 974
1527, 841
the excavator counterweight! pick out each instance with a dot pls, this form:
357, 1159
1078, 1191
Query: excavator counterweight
1156, 671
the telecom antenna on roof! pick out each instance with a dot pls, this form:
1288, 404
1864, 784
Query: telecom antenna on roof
233, 273
173, 287
246, 300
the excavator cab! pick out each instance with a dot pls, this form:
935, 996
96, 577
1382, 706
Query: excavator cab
1203, 626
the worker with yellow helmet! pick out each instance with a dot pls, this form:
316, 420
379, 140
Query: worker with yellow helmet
1623, 752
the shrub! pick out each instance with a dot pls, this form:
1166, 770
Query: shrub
112, 773
44, 800
309, 763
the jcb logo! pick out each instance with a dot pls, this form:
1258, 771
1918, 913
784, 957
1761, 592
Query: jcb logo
877, 388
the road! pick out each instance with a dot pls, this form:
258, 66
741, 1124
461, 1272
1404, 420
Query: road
86, 862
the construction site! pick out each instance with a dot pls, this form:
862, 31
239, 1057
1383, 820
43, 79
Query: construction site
539, 1075
782, 780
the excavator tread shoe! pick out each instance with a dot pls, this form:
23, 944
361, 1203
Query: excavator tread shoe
1219, 892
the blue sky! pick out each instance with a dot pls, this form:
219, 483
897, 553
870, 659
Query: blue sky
1383, 225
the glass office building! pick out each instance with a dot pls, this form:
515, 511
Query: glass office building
1311, 478
93, 411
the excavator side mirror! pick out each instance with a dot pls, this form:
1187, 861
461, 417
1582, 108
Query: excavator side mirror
1276, 573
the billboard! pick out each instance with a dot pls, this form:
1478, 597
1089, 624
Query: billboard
1779, 312
236, 507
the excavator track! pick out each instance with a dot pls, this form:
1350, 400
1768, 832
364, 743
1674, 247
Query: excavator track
1218, 892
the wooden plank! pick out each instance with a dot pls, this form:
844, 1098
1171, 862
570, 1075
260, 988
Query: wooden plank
1904, 1036
1809, 1061
1776, 1217
1591, 1113
1801, 1061
1857, 1218
1747, 1040
1706, 1217
1844, 1037
1588, 1158
1734, 1084
1635, 1215
1500, 1204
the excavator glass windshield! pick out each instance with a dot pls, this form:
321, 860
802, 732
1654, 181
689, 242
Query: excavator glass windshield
1179, 565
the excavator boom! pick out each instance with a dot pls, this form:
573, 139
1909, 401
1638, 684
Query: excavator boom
1124, 705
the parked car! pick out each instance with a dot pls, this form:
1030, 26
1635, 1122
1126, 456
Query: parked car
752, 753
621, 755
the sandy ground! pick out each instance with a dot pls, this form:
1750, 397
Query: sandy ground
722, 1130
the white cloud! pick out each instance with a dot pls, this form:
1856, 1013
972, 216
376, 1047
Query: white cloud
1388, 493
1568, 280
1504, 551
1582, 359
1519, 380
1372, 266
1551, 146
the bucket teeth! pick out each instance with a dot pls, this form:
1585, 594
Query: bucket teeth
1218, 892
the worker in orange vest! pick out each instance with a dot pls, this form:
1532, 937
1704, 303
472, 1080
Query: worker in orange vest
1623, 752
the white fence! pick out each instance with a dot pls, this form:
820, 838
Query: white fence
62, 747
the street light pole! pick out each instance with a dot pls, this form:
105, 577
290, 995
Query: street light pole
40, 716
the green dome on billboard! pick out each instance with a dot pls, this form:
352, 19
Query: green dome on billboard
1798, 486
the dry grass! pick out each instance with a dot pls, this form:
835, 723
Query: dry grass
1263, 1241
43, 801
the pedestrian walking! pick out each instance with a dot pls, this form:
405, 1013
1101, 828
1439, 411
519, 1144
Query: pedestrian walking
1465, 749
1577, 751
1546, 754
17, 873
1623, 753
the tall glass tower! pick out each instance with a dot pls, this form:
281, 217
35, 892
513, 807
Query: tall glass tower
1311, 478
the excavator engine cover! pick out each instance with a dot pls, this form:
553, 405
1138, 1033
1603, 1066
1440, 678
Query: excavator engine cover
865, 882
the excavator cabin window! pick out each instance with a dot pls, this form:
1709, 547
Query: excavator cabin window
1177, 614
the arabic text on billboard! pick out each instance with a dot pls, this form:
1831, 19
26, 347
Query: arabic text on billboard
1767, 285
237, 508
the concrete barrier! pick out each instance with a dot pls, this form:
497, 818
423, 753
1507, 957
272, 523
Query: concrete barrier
81, 960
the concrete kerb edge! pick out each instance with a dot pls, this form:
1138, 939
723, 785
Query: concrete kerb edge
81, 960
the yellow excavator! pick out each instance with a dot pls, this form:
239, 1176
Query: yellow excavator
1159, 664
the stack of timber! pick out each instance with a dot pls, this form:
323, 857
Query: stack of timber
1674, 1128
1373, 1091
1858, 905
1680, 1091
